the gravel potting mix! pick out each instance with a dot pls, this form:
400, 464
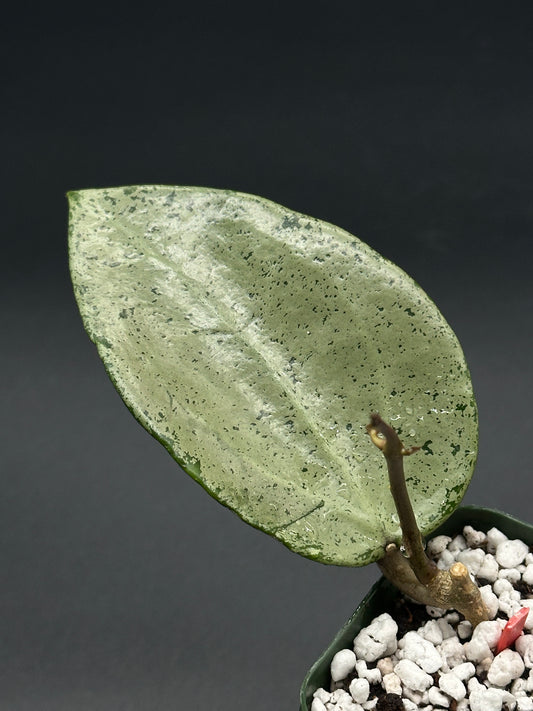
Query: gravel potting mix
424, 658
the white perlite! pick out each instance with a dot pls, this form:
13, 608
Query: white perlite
322, 695
506, 667
524, 645
484, 639
490, 599
437, 698
359, 689
419, 650
373, 676
494, 537
473, 559
527, 575
377, 640
473, 538
342, 664
341, 698
317, 705
452, 685
483, 699
436, 666
464, 671
509, 554
412, 676
489, 568
392, 684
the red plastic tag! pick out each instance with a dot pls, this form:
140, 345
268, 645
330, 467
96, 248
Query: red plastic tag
513, 629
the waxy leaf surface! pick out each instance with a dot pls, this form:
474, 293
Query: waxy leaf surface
254, 342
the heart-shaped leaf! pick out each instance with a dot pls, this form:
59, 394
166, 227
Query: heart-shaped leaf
254, 342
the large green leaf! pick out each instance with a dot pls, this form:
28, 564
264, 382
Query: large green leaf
254, 341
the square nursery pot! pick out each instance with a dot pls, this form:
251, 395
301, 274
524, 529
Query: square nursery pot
383, 595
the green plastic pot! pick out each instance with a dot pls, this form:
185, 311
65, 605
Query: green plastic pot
383, 594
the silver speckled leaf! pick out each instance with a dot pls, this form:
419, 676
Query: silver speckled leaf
254, 342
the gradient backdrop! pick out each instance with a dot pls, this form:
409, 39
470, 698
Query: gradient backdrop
123, 586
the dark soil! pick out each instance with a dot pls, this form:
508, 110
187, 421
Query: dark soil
408, 616
524, 589
390, 702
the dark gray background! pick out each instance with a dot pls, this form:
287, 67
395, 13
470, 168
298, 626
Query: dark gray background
123, 585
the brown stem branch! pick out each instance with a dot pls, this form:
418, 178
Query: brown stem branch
386, 438
415, 574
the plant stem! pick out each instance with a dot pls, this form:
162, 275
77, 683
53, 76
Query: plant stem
414, 573
386, 438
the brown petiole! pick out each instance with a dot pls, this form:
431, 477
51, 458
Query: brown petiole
413, 572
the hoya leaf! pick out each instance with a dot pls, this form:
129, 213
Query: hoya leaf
254, 342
